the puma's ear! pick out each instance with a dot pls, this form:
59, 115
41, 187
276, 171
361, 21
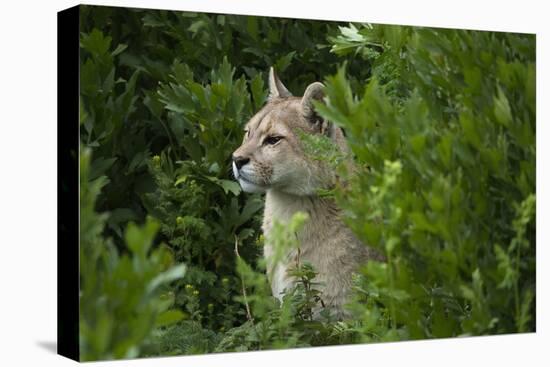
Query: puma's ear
314, 92
276, 87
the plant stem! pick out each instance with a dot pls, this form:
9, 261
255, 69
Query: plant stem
243, 287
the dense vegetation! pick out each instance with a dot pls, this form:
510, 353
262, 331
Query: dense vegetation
440, 122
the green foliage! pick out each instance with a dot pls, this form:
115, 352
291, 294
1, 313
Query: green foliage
196, 200
123, 295
441, 124
449, 197
321, 148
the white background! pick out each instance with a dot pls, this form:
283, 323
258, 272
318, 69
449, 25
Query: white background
28, 182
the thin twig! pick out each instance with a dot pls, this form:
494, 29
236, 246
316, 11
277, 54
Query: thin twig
248, 313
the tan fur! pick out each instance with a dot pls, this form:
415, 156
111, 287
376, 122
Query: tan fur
290, 181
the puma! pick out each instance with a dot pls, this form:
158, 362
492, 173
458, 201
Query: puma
271, 160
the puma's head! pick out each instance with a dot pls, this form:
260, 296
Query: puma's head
271, 156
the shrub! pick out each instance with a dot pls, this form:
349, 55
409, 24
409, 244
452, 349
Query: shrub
199, 205
123, 295
447, 187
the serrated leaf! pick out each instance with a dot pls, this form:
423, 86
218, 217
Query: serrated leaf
259, 94
230, 186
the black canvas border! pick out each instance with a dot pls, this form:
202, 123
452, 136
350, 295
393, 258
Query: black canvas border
68, 211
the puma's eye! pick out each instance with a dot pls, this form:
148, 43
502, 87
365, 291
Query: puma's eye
271, 140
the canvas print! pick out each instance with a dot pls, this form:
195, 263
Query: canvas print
251, 183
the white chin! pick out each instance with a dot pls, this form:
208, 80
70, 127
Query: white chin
250, 187
235, 170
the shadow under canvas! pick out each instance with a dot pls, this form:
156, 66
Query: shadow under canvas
49, 345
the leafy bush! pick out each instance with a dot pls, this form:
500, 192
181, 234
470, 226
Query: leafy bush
122, 295
196, 200
449, 192
441, 124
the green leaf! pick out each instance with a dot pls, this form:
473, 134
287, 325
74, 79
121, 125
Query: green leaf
284, 62
109, 82
502, 110
95, 42
181, 179
174, 273
100, 166
418, 142
526, 312
259, 94
506, 271
169, 317
139, 240
119, 49
230, 186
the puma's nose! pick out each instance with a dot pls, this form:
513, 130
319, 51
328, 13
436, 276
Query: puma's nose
240, 161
